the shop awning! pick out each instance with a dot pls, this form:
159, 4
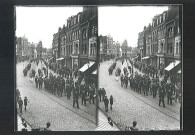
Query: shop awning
86, 66
50, 58
94, 72
145, 58
136, 57
59, 59
172, 65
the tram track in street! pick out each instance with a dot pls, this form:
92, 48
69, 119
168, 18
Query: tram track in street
134, 94
155, 102
71, 109
50, 96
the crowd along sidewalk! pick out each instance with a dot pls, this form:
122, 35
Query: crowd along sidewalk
175, 107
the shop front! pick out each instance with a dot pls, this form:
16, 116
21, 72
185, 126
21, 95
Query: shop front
69, 62
75, 63
153, 61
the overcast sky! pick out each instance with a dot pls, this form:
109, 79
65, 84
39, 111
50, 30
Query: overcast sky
40, 23
126, 22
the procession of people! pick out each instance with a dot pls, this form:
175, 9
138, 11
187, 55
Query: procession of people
61, 82
149, 82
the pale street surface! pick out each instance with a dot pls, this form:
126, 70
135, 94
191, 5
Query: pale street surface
131, 106
103, 124
45, 107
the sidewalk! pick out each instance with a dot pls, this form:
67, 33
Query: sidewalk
103, 124
20, 126
174, 108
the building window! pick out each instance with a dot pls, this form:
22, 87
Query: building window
75, 20
73, 36
85, 48
94, 49
64, 51
84, 33
76, 46
91, 47
78, 18
170, 32
177, 48
163, 17
93, 30
160, 19
171, 48
178, 29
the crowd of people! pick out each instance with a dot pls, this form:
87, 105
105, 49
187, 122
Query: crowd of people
62, 70
60, 83
111, 68
63, 84
26, 69
169, 86
21, 102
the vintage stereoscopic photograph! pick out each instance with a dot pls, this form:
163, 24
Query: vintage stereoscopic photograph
56, 68
140, 73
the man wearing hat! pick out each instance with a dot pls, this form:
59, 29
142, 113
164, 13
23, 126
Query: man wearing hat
106, 102
25, 102
47, 126
20, 102
134, 128
111, 101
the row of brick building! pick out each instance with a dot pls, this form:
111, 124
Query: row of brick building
75, 44
160, 42
109, 48
26, 50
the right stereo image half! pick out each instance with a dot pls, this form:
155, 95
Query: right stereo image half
140, 74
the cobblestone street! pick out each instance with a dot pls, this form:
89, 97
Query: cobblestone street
130, 106
45, 107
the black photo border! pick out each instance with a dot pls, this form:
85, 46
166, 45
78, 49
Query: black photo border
7, 65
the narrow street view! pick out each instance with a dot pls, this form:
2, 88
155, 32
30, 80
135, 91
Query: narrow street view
140, 80
56, 68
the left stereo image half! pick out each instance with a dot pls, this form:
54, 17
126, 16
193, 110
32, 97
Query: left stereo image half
56, 65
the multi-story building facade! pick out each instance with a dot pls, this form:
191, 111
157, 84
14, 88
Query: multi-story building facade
124, 48
109, 46
177, 45
76, 43
142, 44
93, 35
55, 44
19, 49
32, 51
23, 49
148, 40
154, 41
118, 48
163, 39
39, 49
49, 53
62, 45
171, 33
103, 47
161, 20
